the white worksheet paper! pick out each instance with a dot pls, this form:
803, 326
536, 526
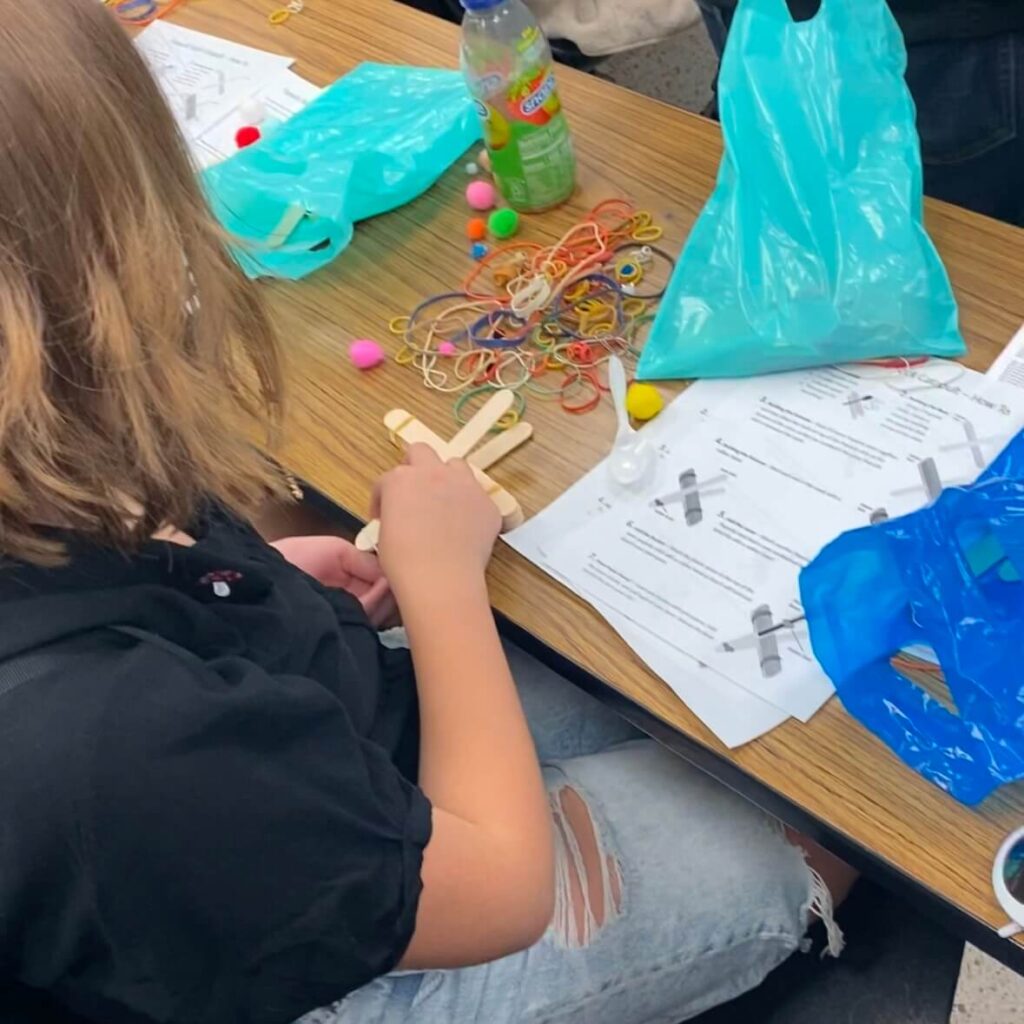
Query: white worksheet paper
733, 714
754, 478
1008, 369
698, 579
901, 436
282, 95
204, 77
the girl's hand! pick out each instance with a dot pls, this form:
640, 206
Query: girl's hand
435, 519
338, 564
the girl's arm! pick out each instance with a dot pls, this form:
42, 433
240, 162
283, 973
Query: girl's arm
488, 871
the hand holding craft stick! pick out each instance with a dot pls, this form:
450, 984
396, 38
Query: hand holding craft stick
405, 427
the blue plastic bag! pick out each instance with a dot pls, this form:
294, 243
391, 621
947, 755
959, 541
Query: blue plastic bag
373, 141
949, 576
811, 249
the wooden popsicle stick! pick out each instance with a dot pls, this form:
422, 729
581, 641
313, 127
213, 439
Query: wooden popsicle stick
511, 514
480, 425
514, 519
406, 427
498, 447
368, 537
507, 505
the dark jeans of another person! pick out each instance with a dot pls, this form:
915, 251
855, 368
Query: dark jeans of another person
970, 116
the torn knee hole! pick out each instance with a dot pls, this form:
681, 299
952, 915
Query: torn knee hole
588, 880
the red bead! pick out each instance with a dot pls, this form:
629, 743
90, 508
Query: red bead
247, 135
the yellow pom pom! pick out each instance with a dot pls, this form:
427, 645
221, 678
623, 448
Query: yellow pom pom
643, 401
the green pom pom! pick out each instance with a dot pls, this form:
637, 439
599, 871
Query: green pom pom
503, 223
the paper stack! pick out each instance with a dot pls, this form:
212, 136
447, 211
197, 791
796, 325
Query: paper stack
699, 572
213, 86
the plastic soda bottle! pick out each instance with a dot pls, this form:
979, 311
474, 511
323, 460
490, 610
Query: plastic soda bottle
508, 65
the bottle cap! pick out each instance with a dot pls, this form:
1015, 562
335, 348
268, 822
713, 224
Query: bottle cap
480, 5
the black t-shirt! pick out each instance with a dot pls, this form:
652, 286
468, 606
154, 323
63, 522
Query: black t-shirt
929, 20
934, 20
208, 811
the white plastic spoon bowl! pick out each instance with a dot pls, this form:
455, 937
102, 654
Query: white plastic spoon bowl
632, 459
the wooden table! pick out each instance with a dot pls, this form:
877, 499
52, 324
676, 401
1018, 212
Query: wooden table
829, 777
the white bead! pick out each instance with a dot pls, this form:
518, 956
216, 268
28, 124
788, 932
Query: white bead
472, 168
252, 111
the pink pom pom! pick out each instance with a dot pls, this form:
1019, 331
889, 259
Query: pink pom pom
446, 348
366, 354
481, 195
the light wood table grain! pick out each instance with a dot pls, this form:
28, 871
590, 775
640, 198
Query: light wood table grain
830, 776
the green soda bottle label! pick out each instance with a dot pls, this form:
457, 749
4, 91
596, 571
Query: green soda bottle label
528, 139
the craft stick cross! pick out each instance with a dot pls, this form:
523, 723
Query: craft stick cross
404, 427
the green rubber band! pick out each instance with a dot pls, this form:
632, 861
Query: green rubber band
518, 406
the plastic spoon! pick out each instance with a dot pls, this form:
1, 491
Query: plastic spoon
632, 459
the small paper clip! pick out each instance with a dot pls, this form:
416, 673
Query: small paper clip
282, 14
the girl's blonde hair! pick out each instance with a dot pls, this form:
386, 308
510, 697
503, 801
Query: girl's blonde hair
135, 359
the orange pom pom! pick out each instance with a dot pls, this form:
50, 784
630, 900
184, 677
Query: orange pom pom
476, 229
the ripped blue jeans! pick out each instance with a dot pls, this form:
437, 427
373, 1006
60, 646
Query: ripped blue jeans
674, 894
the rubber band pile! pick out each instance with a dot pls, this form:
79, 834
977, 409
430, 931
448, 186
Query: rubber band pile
142, 12
541, 320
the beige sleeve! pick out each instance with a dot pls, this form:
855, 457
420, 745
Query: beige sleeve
601, 27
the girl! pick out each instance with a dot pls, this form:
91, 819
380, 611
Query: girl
223, 800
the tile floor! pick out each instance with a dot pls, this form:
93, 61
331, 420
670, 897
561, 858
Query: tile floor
988, 993
679, 71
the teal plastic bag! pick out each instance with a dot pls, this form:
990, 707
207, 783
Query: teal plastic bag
811, 249
374, 140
